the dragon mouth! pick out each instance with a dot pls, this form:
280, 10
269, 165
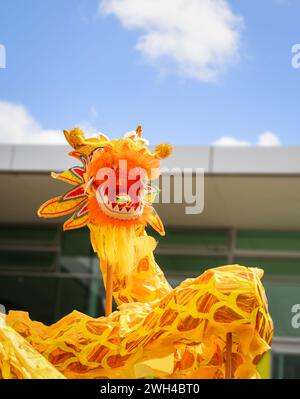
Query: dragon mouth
121, 206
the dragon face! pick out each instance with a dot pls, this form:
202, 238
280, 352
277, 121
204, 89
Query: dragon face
119, 183
113, 184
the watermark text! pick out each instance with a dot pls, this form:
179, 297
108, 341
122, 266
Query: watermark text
296, 315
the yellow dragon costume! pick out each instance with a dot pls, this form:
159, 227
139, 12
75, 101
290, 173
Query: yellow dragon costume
213, 326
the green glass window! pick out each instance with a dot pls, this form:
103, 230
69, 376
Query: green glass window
282, 296
29, 248
19, 234
187, 265
286, 366
268, 240
27, 260
200, 238
76, 243
273, 267
48, 299
32, 294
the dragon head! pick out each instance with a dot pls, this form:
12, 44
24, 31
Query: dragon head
112, 188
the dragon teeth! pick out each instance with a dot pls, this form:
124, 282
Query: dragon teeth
129, 208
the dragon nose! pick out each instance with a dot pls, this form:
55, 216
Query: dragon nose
123, 199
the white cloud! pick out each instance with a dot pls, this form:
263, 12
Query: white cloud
17, 125
265, 139
268, 139
230, 142
199, 37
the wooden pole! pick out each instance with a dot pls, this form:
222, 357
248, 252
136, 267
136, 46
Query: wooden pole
109, 290
228, 364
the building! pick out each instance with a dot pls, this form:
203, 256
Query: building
251, 216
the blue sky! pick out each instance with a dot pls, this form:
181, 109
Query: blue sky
68, 63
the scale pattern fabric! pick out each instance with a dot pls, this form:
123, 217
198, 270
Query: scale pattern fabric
19, 360
157, 331
186, 329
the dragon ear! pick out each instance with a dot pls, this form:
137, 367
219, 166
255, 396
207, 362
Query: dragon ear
155, 221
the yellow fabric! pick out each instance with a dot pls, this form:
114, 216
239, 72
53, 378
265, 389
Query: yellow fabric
155, 367
264, 366
186, 328
145, 282
116, 244
18, 359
